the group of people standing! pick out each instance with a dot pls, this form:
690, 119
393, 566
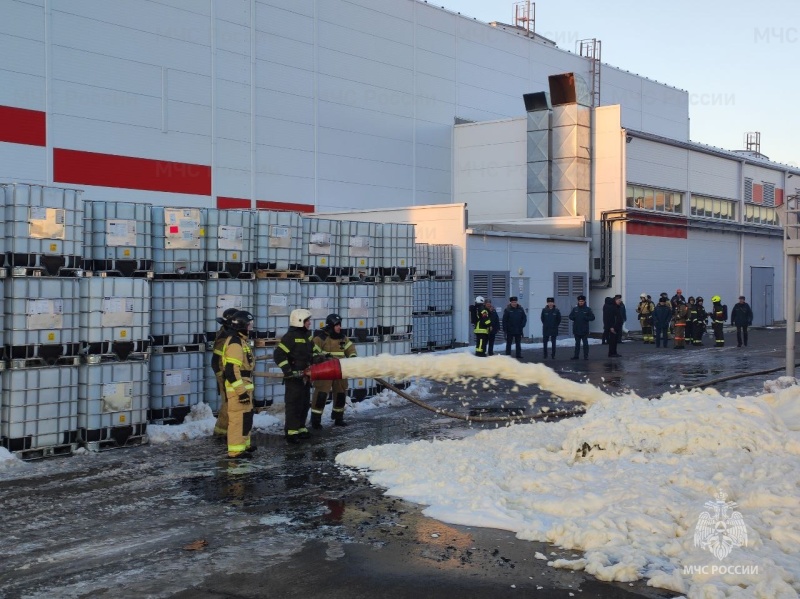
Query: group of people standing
233, 363
688, 320
486, 324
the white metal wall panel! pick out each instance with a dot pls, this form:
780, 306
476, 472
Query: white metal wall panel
232, 37
366, 97
233, 154
763, 252
714, 176
201, 8
20, 162
286, 106
358, 145
651, 163
189, 88
285, 79
303, 7
127, 42
286, 51
288, 134
379, 78
372, 45
126, 140
22, 55
650, 265
665, 110
22, 20
185, 117
232, 183
428, 17
233, 80
719, 274
88, 68
282, 188
434, 157
359, 18
760, 175
106, 105
232, 125
278, 21
435, 88
22, 90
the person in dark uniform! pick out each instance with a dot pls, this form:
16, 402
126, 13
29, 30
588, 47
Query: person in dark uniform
741, 317
612, 324
700, 321
296, 352
662, 317
581, 315
514, 321
551, 319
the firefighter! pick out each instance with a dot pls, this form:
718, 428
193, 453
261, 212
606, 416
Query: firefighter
295, 353
719, 314
645, 311
221, 425
700, 321
690, 320
679, 318
482, 327
332, 343
237, 371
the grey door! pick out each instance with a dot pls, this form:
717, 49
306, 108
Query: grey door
492, 285
761, 300
568, 286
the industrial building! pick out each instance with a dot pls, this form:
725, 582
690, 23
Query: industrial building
550, 172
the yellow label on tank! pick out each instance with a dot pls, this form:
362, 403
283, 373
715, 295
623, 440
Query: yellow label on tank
323, 261
123, 333
51, 336
234, 256
181, 399
122, 418
362, 262
126, 252
202, 232
53, 247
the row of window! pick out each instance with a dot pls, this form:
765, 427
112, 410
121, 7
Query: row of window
662, 200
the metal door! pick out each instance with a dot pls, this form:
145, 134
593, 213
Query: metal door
491, 285
761, 300
568, 286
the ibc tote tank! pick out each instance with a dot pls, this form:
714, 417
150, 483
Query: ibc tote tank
118, 238
179, 242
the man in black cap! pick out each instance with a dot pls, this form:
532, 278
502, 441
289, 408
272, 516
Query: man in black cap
551, 318
581, 316
741, 317
514, 321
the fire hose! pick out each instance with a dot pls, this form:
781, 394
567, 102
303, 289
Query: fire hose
331, 371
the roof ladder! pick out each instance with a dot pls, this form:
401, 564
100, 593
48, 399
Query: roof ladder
591, 50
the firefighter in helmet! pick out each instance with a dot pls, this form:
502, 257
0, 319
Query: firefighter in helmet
221, 425
237, 372
718, 314
331, 341
296, 352
483, 325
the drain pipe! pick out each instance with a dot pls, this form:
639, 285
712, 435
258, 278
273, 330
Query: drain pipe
607, 220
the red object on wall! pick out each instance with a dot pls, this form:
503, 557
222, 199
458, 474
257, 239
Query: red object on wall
284, 206
233, 203
758, 194
127, 172
658, 226
778, 196
23, 126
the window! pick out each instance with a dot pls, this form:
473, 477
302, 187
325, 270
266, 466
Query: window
712, 208
760, 215
748, 189
656, 200
769, 194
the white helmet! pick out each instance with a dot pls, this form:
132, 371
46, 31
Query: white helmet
643, 296
479, 300
298, 317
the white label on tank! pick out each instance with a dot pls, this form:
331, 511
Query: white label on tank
318, 306
44, 314
117, 397
359, 246
358, 307
117, 312
177, 382
278, 305
319, 244
47, 223
229, 301
182, 229
279, 237
231, 238
121, 233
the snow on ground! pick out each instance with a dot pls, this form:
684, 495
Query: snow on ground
627, 484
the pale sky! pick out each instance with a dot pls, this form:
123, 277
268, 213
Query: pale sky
737, 59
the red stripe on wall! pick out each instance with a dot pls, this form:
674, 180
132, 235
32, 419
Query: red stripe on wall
23, 126
658, 230
778, 197
128, 172
233, 203
283, 206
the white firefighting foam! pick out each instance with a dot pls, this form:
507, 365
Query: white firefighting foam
455, 366
626, 484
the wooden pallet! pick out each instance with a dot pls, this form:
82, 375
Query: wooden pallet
266, 342
40, 453
263, 273
109, 444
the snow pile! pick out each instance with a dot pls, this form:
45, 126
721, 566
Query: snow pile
627, 484
8, 460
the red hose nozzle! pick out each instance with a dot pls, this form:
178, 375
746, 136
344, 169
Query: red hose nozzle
330, 370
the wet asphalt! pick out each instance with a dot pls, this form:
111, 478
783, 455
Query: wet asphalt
290, 523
